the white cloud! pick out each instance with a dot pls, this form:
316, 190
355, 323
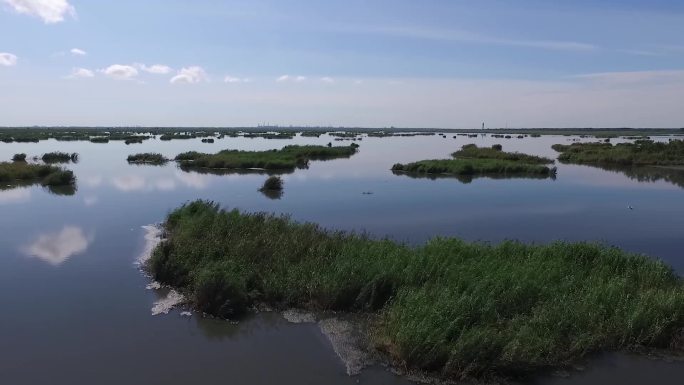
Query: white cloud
462, 36
288, 78
50, 11
328, 80
8, 59
189, 75
90, 200
78, 52
77, 73
157, 69
634, 76
638, 52
55, 248
231, 79
119, 71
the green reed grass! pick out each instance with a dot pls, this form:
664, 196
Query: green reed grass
640, 153
47, 175
147, 158
451, 307
473, 160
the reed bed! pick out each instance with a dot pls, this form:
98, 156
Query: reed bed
454, 308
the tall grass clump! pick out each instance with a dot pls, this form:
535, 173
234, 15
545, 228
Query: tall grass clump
288, 158
59, 157
450, 307
147, 158
273, 183
640, 153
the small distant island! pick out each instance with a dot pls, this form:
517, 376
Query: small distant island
59, 157
21, 173
484, 161
147, 158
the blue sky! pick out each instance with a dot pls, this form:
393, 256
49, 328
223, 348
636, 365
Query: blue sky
353, 63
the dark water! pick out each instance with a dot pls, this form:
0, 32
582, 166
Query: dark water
74, 305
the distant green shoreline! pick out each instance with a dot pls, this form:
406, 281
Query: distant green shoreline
132, 135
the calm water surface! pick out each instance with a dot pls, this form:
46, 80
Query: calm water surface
74, 305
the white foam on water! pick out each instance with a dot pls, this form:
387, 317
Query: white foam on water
153, 236
348, 343
297, 316
164, 305
186, 314
154, 285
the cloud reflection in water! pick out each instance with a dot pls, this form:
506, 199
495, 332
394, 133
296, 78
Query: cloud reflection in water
16, 195
55, 248
129, 183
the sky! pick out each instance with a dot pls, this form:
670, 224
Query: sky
382, 63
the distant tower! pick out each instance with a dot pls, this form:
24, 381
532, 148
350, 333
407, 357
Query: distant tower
483, 125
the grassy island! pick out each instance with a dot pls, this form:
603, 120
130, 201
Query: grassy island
450, 307
23, 173
288, 158
147, 158
473, 160
639, 153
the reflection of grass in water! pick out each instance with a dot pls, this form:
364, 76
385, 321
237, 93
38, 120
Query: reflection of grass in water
465, 179
272, 194
233, 171
649, 174
473, 167
460, 309
66, 190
